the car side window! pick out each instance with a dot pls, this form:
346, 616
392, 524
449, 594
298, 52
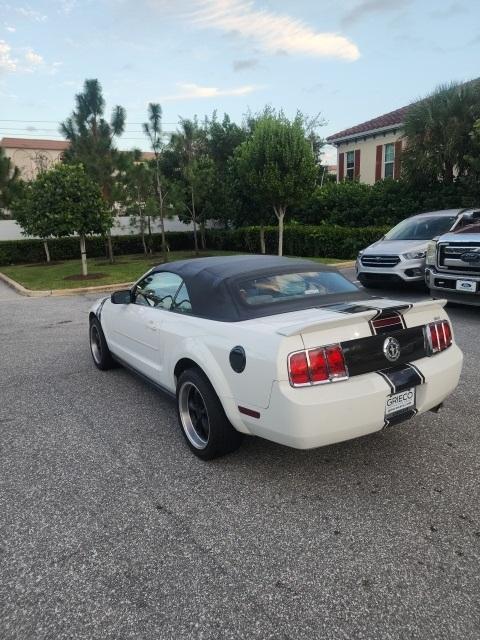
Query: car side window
158, 290
182, 303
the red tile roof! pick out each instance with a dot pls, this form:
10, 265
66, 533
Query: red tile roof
392, 119
34, 143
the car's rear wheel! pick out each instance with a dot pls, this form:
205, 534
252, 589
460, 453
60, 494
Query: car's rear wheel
101, 355
202, 419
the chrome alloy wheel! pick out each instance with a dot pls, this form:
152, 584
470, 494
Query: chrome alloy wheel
95, 343
194, 415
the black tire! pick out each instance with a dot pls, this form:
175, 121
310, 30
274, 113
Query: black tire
368, 284
207, 431
101, 355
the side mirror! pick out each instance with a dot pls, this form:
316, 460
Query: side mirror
121, 297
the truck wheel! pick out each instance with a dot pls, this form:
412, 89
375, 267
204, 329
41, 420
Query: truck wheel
202, 419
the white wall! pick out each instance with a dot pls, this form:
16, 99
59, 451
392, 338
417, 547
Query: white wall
10, 230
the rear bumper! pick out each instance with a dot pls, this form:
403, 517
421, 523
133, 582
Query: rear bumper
444, 285
404, 272
310, 417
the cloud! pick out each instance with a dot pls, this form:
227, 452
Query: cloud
189, 91
241, 65
31, 14
33, 59
7, 63
366, 8
271, 31
9, 28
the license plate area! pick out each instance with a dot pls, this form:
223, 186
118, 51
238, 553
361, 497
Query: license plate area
400, 402
470, 286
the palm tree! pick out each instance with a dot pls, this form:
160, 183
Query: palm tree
92, 139
189, 146
153, 131
438, 133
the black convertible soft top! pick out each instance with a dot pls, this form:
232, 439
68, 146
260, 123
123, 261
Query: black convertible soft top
212, 284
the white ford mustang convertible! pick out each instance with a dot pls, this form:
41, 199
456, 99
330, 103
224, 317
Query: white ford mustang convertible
285, 349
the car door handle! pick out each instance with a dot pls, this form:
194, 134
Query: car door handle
152, 325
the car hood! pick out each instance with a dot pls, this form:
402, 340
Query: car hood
460, 237
396, 247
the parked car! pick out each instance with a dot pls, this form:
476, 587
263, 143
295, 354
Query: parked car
453, 264
285, 349
399, 257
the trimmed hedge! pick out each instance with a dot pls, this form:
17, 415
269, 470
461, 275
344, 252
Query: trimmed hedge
30, 251
326, 241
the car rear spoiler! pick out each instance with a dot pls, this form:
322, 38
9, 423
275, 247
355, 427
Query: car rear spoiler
340, 319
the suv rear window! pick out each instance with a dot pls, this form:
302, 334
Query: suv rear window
283, 287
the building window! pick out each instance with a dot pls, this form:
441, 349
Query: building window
389, 161
350, 173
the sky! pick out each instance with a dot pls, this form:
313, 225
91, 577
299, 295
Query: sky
348, 61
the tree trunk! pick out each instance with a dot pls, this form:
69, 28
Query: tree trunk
194, 220
111, 259
142, 230
47, 251
262, 239
158, 189
83, 253
280, 213
203, 235
149, 224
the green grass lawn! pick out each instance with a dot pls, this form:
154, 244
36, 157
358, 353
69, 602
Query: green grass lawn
126, 269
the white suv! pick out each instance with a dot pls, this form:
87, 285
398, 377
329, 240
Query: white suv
399, 257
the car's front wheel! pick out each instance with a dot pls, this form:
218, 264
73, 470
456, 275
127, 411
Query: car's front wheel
98, 346
204, 424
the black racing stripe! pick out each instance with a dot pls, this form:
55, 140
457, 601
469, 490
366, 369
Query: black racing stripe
418, 371
400, 417
402, 377
365, 355
350, 308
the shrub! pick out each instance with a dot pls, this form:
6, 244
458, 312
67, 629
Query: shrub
327, 241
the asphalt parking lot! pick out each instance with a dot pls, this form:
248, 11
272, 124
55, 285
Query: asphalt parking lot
111, 529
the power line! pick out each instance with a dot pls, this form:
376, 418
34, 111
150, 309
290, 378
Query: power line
60, 120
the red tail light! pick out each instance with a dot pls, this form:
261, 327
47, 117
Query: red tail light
299, 373
336, 362
315, 366
318, 365
439, 335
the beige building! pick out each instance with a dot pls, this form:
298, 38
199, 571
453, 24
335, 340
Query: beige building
33, 156
372, 150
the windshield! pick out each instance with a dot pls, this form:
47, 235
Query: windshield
421, 228
293, 286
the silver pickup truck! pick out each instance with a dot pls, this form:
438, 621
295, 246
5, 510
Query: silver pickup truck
453, 264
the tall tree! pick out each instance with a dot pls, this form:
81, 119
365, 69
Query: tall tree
438, 130
153, 131
135, 192
189, 147
62, 202
92, 140
9, 182
277, 164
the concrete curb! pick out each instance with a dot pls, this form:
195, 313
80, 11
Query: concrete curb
31, 293
348, 264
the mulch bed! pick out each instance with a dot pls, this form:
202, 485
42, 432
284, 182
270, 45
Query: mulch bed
91, 276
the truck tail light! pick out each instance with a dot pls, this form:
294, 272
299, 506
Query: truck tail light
316, 366
439, 336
